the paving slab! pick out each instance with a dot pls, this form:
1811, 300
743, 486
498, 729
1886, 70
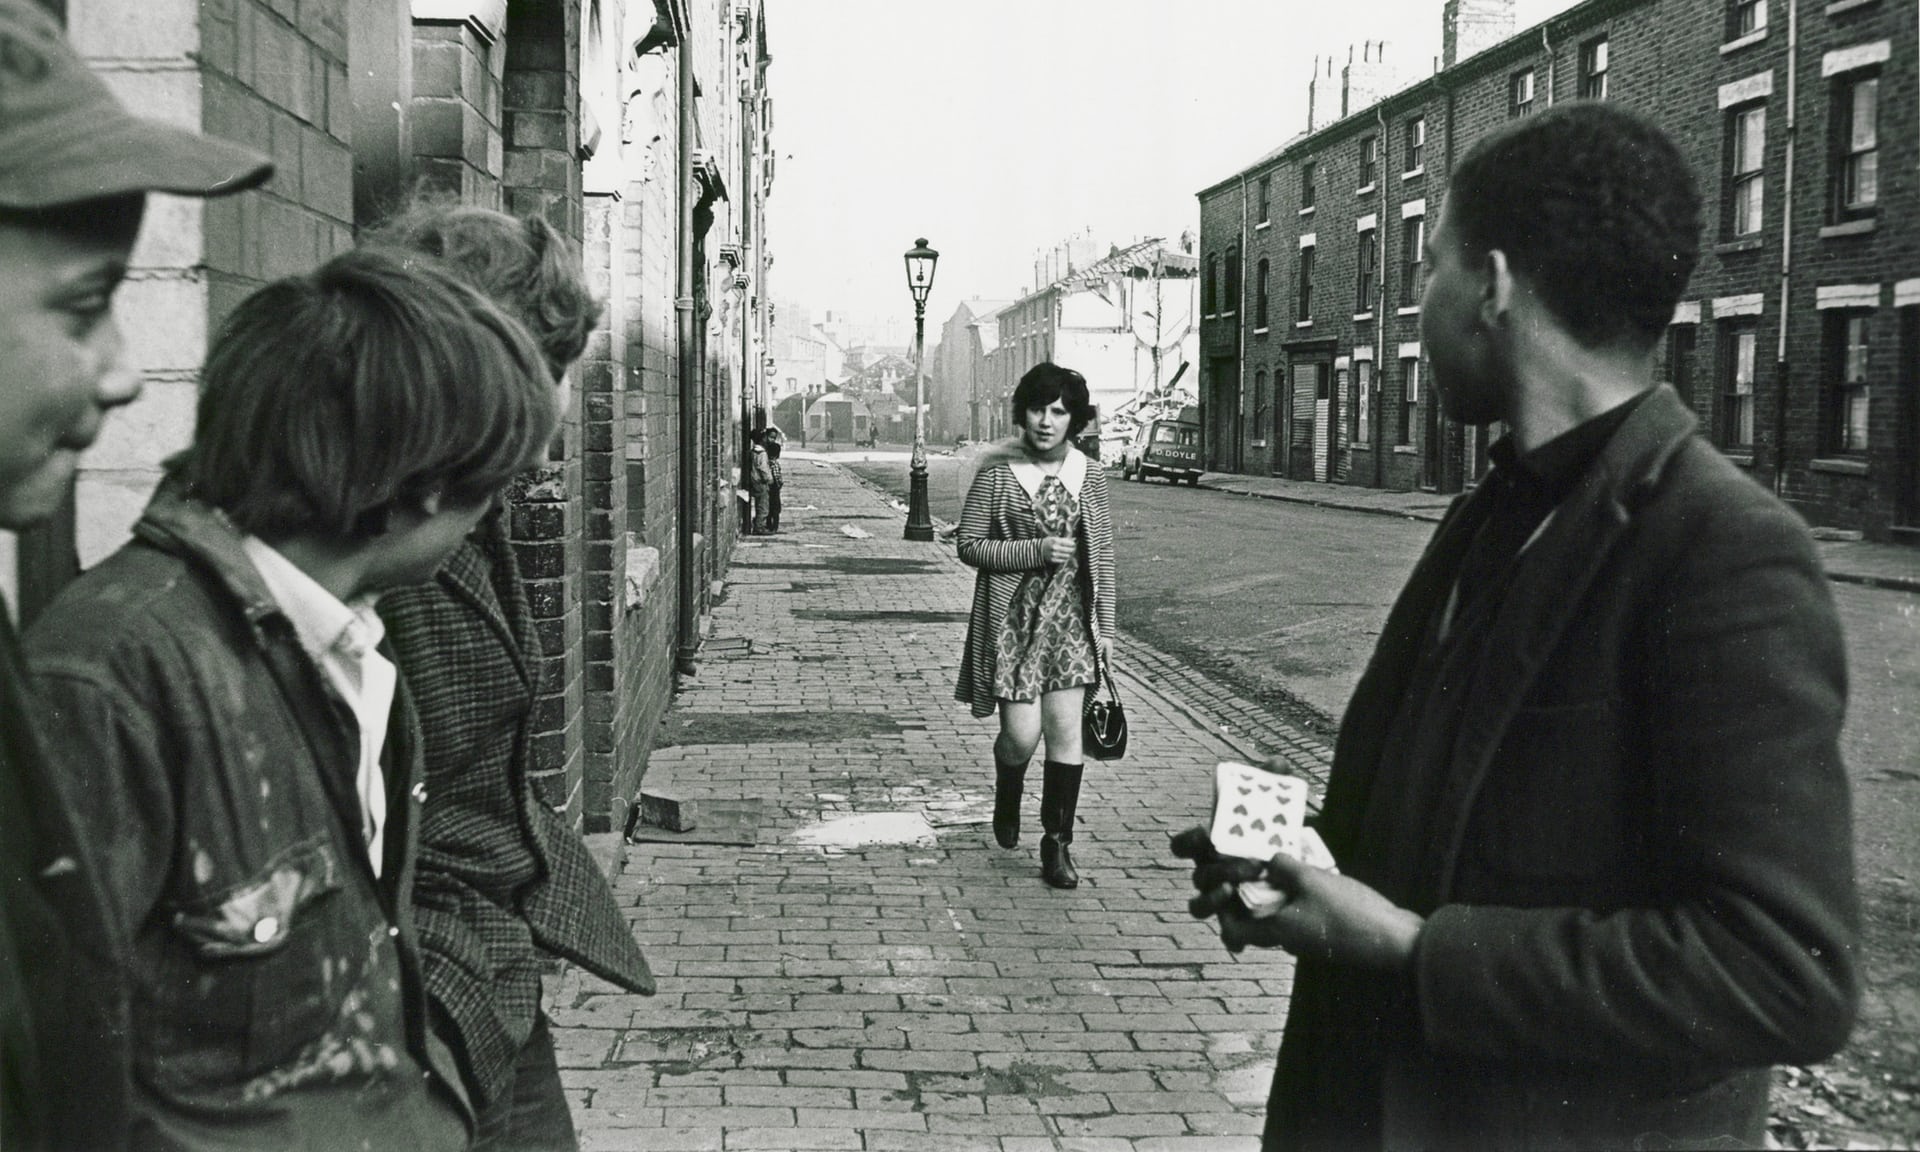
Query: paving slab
873, 972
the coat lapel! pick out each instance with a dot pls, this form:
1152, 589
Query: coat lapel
468, 574
1376, 698
1547, 592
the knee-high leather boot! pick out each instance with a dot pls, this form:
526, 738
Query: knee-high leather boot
1059, 796
1009, 785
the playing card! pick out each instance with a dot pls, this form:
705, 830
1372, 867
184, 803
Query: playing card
1256, 813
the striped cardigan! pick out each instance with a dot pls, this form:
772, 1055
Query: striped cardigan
1000, 535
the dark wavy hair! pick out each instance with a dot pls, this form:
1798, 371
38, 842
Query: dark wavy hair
1593, 205
378, 377
1046, 382
525, 264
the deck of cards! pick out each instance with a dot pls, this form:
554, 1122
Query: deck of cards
1257, 814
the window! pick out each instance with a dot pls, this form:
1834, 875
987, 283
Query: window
1266, 198
1413, 257
1409, 400
1362, 405
1260, 295
1366, 271
1305, 312
1231, 304
1369, 160
1259, 402
1306, 185
1593, 69
1740, 349
1416, 143
1856, 147
1847, 338
1520, 93
1210, 287
1746, 184
1745, 17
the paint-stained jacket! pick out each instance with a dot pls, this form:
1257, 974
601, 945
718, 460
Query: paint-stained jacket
272, 996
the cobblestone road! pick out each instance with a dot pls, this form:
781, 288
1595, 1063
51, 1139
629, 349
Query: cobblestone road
824, 988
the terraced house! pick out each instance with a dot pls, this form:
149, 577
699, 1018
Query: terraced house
641, 128
1798, 344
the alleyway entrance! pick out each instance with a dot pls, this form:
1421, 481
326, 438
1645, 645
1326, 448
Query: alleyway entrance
870, 971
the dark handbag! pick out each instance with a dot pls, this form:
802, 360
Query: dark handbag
1103, 722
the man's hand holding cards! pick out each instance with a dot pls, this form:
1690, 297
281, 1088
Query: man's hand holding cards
1256, 815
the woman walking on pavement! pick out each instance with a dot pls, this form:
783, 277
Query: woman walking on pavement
1038, 526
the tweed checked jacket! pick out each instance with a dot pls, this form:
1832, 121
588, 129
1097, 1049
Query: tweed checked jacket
501, 876
1000, 535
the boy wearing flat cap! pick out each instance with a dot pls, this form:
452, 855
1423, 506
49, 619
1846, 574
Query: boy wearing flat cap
75, 168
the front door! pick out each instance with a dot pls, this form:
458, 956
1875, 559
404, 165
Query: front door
1223, 422
1907, 443
1282, 417
1324, 427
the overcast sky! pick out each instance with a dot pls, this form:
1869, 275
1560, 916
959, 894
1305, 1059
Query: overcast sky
998, 127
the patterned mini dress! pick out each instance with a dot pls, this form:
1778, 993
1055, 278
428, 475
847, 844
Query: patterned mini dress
1045, 643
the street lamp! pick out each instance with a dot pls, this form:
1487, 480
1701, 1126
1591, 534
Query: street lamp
920, 262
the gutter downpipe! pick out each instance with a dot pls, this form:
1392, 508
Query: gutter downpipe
1553, 62
689, 470
1781, 365
1379, 308
1241, 320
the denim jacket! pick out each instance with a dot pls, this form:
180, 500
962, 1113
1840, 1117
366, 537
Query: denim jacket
271, 993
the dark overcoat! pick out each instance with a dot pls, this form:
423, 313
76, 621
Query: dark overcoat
1638, 866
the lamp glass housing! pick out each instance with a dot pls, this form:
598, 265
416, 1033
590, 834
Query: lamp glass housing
920, 264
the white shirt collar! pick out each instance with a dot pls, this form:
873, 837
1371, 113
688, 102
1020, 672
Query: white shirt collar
320, 619
1073, 473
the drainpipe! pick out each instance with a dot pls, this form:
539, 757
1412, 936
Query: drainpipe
1380, 298
1546, 45
1781, 366
1240, 326
689, 470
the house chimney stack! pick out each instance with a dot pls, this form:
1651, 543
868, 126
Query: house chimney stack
1469, 27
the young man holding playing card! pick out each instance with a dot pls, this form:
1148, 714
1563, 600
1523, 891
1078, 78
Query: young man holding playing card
1587, 803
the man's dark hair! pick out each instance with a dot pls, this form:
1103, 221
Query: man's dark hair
375, 378
524, 263
1046, 382
1594, 206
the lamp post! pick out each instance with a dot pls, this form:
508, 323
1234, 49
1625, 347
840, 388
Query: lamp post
920, 262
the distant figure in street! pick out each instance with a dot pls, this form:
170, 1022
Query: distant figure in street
243, 752
75, 170
1039, 528
1592, 826
775, 439
503, 879
759, 479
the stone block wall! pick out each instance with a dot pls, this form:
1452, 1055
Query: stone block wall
458, 77
269, 73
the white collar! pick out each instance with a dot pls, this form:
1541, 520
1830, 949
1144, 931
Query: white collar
320, 619
1073, 473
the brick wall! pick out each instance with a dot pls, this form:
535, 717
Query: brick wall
645, 636
269, 74
541, 177
1670, 59
457, 117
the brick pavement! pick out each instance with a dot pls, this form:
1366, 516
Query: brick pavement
930, 995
